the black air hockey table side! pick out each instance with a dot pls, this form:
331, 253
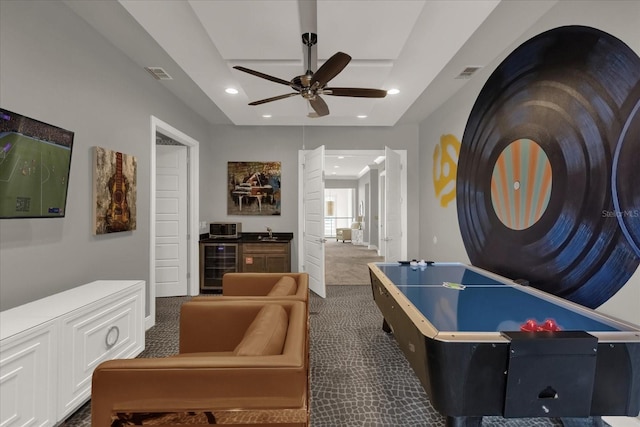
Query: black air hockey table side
459, 328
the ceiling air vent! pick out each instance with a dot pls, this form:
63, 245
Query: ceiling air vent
467, 72
158, 73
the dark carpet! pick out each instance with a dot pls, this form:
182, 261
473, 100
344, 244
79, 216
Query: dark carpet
359, 376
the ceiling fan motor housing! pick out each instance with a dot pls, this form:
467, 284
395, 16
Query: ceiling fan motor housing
303, 80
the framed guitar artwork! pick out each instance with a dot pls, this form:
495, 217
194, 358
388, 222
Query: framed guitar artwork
114, 189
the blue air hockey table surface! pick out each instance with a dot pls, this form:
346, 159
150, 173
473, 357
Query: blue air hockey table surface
460, 329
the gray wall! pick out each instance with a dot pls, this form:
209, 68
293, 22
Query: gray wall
341, 183
368, 186
619, 18
274, 143
251, 143
55, 68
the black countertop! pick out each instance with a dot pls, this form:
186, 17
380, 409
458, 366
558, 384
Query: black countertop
249, 237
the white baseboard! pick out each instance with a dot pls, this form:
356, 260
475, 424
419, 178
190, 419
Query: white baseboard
622, 421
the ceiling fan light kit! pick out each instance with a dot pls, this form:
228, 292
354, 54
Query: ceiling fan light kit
311, 85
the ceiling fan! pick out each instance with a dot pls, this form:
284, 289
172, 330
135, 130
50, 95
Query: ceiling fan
311, 85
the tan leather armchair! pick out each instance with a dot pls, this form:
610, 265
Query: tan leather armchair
281, 286
209, 375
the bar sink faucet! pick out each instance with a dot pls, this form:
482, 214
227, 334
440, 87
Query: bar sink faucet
270, 233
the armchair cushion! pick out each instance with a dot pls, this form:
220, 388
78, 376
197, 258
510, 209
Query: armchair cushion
283, 287
266, 334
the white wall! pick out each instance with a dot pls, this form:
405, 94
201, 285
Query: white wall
619, 18
55, 68
346, 206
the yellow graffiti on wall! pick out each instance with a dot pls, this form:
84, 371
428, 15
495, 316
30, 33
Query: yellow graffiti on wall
445, 168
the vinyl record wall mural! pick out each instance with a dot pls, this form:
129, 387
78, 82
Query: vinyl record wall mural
548, 187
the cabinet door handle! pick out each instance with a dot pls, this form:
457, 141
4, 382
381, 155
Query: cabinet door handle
112, 337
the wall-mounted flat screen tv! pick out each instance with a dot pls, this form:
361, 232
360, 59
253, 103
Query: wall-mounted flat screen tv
35, 160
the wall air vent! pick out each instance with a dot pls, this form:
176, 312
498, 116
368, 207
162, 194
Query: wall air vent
467, 72
158, 73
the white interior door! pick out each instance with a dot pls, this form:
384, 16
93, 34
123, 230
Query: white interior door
392, 204
171, 220
313, 199
382, 210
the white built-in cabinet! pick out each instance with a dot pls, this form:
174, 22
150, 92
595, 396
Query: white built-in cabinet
50, 347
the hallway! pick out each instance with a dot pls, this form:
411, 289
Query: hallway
346, 264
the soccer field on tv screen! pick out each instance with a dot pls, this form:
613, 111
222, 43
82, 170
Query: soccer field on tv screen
33, 177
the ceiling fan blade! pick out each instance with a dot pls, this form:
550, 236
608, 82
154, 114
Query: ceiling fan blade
330, 69
275, 98
267, 77
355, 92
321, 108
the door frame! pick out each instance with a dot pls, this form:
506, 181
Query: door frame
382, 244
403, 210
193, 199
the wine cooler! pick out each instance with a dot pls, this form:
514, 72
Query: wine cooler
216, 259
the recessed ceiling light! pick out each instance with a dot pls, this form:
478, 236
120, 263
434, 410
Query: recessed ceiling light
393, 92
362, 116
336, 167
231, 91
266, 116
341, 157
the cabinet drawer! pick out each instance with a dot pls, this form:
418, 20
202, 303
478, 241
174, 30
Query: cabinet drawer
265, 248
105, 330
27, 375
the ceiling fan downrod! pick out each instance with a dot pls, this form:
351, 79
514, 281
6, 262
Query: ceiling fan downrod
309, 40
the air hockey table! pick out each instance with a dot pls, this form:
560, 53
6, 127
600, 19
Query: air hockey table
460, 329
